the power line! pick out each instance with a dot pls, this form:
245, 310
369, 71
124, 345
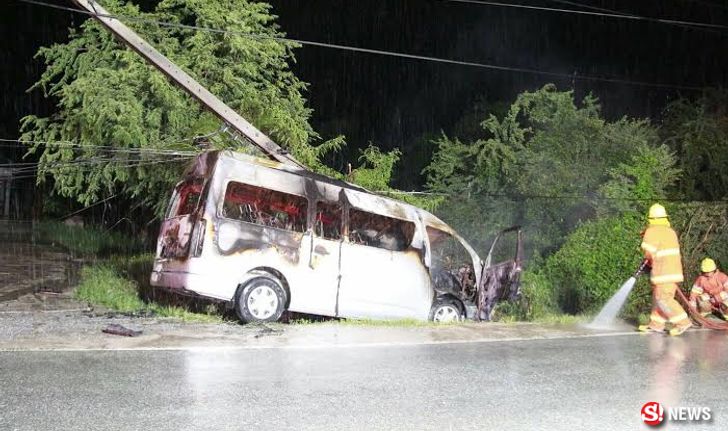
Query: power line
26, 175
590, 13
520, 197
612, 11
569, 76
586, 6
14, 143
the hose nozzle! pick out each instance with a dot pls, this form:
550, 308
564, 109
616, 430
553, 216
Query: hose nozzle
643, 268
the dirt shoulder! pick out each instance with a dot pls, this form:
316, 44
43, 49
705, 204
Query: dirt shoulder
75, 329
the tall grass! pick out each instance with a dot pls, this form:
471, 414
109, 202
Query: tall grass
103, 285
85, 241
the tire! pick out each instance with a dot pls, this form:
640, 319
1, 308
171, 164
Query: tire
262, 299
446, 310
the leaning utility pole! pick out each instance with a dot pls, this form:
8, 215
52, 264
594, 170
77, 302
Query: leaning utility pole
189, 84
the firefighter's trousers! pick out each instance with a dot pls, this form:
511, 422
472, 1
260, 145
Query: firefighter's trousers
665, 308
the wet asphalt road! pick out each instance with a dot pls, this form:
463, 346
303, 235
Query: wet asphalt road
595, 383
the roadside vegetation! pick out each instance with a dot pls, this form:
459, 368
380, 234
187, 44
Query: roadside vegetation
581, 185
577, 182
115, 274
88, 241
105, 286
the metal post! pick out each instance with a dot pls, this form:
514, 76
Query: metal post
187, 83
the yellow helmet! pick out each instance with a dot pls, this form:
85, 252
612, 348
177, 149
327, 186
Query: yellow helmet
657, 211
708, 265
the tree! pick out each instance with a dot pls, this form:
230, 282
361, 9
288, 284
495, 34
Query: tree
117, 112
541, 165
698, 133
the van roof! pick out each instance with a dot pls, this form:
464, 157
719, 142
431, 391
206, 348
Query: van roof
362, 198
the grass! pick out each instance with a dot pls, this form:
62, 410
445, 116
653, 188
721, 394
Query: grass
85, 241
563, 319
102, 285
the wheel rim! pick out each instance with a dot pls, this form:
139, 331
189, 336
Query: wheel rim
447, 313
262, 302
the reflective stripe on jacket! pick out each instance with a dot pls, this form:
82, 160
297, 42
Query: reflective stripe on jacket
662, 249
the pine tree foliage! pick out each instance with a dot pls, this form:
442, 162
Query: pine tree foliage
548, 164
107, 96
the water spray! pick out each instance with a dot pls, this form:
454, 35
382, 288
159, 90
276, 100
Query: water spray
608, 315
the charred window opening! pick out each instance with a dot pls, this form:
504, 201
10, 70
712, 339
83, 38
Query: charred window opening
327, 223
379, 231
186, 199
265, 207
452, 267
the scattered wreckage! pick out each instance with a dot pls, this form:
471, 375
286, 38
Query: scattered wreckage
269, 236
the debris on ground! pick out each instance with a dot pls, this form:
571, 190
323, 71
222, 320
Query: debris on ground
117, 329
266, 330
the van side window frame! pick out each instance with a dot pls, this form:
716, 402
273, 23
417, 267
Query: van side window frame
407, 240
342, 218
220, 207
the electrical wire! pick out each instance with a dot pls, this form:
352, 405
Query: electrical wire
569, 76
520, 197
75, 164
89, 207
26, 176
110, 148
591, 13
586, 6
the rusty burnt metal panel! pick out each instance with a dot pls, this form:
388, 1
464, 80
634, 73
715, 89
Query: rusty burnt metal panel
203, 165
175, 237
501, 281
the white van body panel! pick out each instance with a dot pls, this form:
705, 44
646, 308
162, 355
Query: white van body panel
323, 276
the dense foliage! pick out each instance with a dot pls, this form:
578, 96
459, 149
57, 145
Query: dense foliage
698, 133
121, 111
546, 164
581, 186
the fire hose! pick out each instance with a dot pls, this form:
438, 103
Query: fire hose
692, 312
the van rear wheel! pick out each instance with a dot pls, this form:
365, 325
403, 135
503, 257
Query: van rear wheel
262, 299
446, 310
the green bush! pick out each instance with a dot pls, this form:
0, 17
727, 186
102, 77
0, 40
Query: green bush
538, 296
703, 231
600, 255
594, 262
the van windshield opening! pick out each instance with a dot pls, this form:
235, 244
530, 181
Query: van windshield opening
451, 263
186, 198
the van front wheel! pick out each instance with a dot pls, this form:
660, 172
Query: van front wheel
446, 310
261, 300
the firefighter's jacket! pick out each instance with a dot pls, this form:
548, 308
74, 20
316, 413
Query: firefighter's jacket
709, 286
662, 250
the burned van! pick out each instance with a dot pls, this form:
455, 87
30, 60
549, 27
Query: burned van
270, 238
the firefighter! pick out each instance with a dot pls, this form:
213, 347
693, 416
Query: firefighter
710, 290
662, 252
